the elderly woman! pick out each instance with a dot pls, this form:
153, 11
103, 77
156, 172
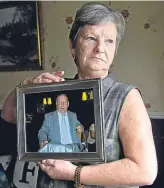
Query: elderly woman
94, 40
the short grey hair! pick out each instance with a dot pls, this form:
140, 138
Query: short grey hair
93, 14
63, 94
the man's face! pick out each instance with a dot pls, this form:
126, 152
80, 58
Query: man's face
62, 103
95, 49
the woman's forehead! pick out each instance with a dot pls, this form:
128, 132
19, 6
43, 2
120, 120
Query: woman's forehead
108, 30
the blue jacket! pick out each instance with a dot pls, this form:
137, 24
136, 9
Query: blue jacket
50, 128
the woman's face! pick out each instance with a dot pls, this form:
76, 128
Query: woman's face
95, 49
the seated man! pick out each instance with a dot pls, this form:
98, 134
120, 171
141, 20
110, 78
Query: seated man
61, 131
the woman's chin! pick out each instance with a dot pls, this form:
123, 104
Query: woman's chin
97, 73
99, 67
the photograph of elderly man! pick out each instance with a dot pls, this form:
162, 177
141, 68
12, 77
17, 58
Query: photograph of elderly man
61, 131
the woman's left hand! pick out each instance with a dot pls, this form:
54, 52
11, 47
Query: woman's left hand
58, 169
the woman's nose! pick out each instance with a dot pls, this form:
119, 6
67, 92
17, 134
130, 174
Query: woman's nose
99, 47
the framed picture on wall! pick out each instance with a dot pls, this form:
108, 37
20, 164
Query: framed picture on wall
61, 121
20, 36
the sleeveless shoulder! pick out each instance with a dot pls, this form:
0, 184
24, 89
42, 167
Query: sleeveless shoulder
114, 94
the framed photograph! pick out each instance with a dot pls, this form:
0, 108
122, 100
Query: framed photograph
20, 39
61, 121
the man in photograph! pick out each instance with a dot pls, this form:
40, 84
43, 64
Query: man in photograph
61, 131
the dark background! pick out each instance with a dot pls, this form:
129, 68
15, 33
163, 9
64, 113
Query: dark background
158, 133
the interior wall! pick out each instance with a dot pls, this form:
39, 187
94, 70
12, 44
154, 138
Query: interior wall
139, 60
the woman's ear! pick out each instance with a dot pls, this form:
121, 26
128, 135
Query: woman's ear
72, 50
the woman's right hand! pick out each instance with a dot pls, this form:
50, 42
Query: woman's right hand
46, 77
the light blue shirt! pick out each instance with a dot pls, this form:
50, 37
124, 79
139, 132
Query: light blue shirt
64, 129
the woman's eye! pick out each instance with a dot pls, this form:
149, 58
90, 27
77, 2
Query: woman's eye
90, 38
109, 41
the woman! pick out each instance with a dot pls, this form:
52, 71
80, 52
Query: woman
94, 40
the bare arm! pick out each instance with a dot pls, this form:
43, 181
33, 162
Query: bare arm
139, 167
8, 112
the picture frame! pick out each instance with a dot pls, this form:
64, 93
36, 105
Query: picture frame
36, 102
21, 41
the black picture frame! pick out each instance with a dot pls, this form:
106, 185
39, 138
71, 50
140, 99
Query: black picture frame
31, 114
20, 36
